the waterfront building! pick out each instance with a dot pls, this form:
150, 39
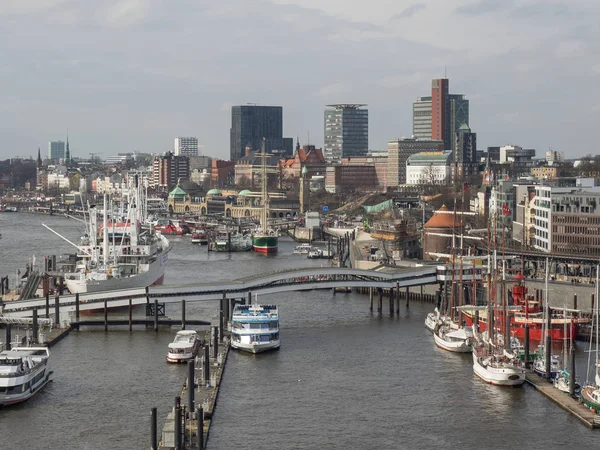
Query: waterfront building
167, 169
56, 150
546, 172
440, 115
437, 234
346, 132
186, 146
222, 173
351, 178
567, 219
261, 127
307, 156
398, 152
429, 168
379, 160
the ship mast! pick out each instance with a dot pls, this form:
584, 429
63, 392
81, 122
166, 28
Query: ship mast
264, 216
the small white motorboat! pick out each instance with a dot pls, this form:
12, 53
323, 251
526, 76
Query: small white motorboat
184, 347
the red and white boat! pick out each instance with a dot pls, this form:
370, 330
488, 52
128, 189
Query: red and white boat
529, 312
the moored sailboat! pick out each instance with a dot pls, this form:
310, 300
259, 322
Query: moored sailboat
265, 240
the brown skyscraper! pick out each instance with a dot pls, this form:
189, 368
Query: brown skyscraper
439, 111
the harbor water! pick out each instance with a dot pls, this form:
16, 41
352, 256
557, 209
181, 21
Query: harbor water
344, 377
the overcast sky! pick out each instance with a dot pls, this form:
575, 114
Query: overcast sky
123, 75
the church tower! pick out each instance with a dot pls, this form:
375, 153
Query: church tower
67, 151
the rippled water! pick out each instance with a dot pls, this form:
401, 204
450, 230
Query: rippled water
344, 378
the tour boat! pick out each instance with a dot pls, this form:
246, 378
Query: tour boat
302, 249
497, 369
255, 328
120, 253
23, 372
184, 347
453, 340
315, 253
539, 365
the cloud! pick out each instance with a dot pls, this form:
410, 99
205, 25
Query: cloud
410, 11
483, 7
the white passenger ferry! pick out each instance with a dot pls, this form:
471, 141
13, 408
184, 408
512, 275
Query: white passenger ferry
184, 347
23, 372
255, 328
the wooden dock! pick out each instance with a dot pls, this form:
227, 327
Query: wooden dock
196, 412
566, 402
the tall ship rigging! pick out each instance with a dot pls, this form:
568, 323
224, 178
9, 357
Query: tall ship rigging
265, 239
123, 251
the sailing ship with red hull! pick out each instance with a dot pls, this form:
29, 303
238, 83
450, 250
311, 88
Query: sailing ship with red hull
531, 313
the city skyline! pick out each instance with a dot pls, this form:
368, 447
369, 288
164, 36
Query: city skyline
527, 86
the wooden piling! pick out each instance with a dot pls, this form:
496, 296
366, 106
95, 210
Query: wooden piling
105, 315
57, 310
391, 300
77, 307
221, 325
35, 326
48, 304
177, 423
370, 298
397, 298
407, 296
206, 364
215, 342
200, 432
155, 314
153, 430
183, 314
130, 315
249, 298
191, 386
8, 336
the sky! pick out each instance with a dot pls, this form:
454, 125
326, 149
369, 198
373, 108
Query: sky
124, 75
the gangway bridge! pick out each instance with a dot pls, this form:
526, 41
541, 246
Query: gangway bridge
273, 282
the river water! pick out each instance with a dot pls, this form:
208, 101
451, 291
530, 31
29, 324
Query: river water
344, 377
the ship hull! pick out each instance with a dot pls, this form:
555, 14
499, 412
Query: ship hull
265, 244
153, 276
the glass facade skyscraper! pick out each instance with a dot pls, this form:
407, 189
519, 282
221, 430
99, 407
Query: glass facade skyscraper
250, 124
56, 150
346, 132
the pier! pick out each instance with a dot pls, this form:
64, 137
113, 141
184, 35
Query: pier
187, 426
566, 402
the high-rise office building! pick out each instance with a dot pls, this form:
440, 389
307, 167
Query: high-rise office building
186, 146
257, 126
346, 132
56, 150
399, 151
440, 115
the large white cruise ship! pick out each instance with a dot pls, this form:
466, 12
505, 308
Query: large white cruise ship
255, 328
120, 250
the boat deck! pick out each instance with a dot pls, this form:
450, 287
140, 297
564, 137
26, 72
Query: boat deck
579, 410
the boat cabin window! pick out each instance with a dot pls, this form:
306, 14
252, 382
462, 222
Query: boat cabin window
273, 324
10, 362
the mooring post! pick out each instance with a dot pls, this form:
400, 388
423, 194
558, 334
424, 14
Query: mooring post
105, 315
77, 307
398, 297
57, 310
380, 305
370, 298
215, 342
8, 336
155, 314
575, 301
249, 299
221, 325
526, 346
177, 423
206, 364
48, 304
391, 300
147, 297
183, 314
231, 308
191, 386
130, 315
225, 308
407, 295
200, 433
153, 430
35, 326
